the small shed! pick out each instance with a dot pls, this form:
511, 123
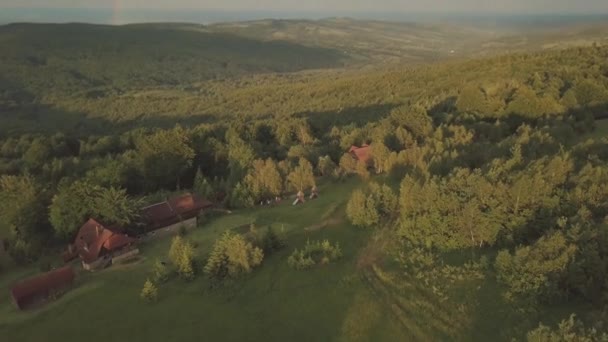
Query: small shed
39, 288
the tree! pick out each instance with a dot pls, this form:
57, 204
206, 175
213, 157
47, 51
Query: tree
231, 257
201, 186
114, 206
71, 206
459, 211
384, 199
264, 179
326, 166
181, 254
302, 177
185, 267
271, 241
75, 203
175, 251
149, 292
380, 154
362, 170
361, 209
110, 173
348, 164
37, 154
241, 196
164, 156
526, 102
536, 272
240, 157
22, 215
414, 119
589, 92
570, 330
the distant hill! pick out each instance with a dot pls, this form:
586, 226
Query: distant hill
410, 42
72, 57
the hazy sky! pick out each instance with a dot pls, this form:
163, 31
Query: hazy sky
550, 6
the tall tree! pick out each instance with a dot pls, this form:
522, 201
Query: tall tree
302, 177
22, 215
71, 206
115, 206
164, 156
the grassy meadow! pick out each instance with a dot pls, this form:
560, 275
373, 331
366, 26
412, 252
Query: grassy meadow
361, 297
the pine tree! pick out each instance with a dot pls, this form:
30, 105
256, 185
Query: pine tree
149, 292
232, 256
185, 266
175, 251
202, 186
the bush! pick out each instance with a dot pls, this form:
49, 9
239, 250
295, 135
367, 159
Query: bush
160, 274
149, 291
314, 253
231, 257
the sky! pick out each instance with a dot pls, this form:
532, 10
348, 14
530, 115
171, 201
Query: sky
462, 6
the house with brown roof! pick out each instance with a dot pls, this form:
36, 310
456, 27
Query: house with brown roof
362, 153
175, 212
38, 289
97, 245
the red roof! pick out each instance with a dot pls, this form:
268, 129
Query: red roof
362, 153
93, 236
41, 285
175, 209
117, 241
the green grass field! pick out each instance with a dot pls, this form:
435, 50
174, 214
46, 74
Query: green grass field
274, 303
361, 297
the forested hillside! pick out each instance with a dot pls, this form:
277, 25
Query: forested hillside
483, 204
79, 58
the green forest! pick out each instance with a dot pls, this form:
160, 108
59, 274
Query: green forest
482, 213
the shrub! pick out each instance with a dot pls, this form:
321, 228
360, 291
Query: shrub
160, 274
314, 253
231, 257
149, 291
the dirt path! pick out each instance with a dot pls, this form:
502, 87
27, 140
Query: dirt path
326, 223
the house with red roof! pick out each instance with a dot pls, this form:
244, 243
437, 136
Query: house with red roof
362, 153
38, 289
97, 245
175, 212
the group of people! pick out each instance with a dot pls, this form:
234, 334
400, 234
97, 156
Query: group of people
301, 197
277, 199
